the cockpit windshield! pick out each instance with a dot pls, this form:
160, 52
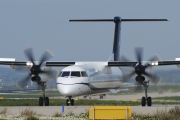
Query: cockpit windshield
84, 74
65, 74
73, 74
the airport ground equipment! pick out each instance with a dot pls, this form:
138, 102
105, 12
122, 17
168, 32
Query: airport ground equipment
110, 113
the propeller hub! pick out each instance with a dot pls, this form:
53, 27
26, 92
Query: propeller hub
139, 69
35, 69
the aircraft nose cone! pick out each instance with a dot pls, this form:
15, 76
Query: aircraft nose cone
68, 90
72, 86
64, 90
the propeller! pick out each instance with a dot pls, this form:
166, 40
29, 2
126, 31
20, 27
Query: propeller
140, 67
36, 69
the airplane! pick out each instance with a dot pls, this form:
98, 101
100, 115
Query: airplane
86, 78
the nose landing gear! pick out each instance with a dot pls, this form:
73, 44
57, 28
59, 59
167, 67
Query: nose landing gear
146, 99
70, 101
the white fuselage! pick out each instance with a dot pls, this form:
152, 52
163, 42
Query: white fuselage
88, 78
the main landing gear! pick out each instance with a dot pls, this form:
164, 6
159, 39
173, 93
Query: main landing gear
146, 99
141, 79
101, 96
70, 101
43, 100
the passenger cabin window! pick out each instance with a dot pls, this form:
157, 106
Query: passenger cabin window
75, 74
84, 74
65, 74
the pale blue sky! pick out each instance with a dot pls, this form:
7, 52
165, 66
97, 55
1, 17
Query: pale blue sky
43, 24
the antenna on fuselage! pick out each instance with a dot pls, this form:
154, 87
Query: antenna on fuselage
117, 20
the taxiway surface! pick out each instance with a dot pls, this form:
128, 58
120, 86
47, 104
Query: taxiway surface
52, 110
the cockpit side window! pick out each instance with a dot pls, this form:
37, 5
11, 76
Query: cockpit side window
65, 74
60, 74
84, 74
75, 74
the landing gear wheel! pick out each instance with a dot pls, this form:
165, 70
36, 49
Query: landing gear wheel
149, 101
46, 101
40, 101
101, 96
67, 102
143, 101
72, 102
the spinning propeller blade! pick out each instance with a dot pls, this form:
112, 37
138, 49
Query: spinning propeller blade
35, 70
140, 68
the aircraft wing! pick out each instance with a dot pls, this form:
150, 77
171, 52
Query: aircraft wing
168, 63
120, 64
16, 65
150, 63
63, 64
13, 63
10, 61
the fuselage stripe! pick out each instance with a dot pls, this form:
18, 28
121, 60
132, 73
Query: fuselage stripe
74, 84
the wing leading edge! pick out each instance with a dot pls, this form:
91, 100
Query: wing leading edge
150, 63
56, 64
13, 63
118, 64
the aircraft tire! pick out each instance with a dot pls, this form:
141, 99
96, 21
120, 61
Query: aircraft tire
143, 101
40, 101
149, 101
46, 101
72, 102
67, 102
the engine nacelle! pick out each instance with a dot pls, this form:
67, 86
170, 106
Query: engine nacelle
140, 78
36, 79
